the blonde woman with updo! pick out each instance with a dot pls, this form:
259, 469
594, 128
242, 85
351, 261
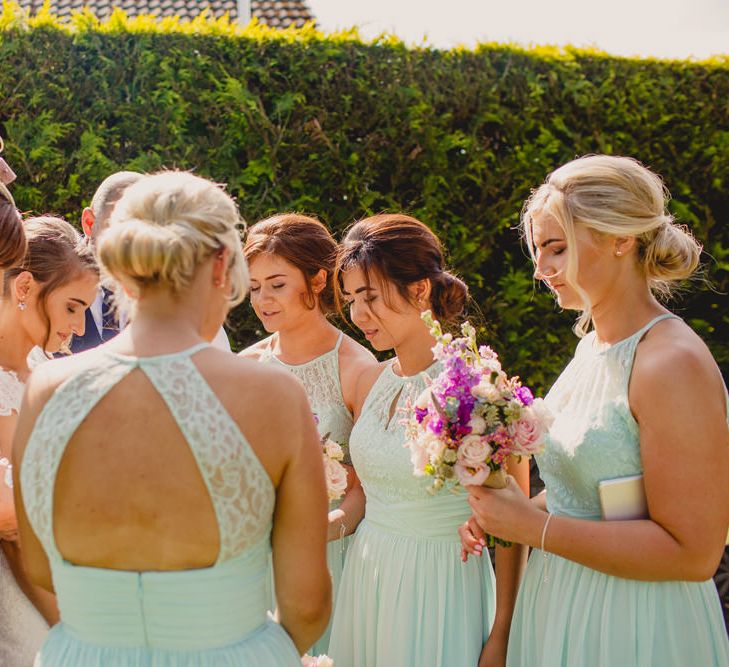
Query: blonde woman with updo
641, 409
291, 262
148, 469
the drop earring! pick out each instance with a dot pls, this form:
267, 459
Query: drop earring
22, 305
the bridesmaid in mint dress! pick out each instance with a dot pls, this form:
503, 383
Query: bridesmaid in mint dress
642, 396
405, 597
147, 470
291, 261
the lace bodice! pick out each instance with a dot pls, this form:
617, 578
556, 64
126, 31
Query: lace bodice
11, 387
241, 491
594, 436
320, 378
377, 443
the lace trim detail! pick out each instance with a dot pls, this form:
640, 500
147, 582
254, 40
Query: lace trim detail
11, 392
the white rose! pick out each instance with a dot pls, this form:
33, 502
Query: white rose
333, 450
485, 391
473, 451
423, 400
541, 413
419, 457
477, 424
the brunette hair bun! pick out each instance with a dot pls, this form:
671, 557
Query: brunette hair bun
449, 296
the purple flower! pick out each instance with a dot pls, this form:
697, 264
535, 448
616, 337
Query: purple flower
420, 414
436, 425
524, 395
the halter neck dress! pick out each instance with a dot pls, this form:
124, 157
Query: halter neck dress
405, 597
216, 615
321, 380
580, 616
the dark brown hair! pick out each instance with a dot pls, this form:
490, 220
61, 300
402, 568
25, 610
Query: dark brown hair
12, 234
401, 250
302, 241
57, 254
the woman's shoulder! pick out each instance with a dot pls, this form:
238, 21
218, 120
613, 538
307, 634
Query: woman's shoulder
673, 357
256, 350
354, 355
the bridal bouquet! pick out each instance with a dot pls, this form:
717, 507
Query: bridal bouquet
472, 416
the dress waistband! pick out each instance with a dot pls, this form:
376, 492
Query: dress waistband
433, 518
185, 610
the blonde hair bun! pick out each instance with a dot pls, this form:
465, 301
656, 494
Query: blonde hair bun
165, 226
672, 254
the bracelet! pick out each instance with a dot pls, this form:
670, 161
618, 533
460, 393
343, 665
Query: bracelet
544, 551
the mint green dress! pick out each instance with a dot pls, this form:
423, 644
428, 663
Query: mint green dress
322, 383
405, 598
579, 616
192, 618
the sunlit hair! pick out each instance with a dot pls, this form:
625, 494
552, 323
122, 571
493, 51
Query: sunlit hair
614, 196
302, 241
57, 255
164, 227
400, 250
13, 245
107, 194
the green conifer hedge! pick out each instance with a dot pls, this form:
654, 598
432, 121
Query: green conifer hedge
332, 126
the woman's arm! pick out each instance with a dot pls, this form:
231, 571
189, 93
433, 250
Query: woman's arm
299, 528
510, 564
678, 400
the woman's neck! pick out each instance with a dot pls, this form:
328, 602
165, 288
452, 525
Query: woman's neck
15, 343
308, 339
415, 352
627, 310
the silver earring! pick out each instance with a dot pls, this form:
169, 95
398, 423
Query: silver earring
21, 305
618, 253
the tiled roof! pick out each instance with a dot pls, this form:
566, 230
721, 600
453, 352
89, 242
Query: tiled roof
276, 13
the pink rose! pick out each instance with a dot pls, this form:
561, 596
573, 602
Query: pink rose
527, 434
336, 478
471, 475
473, 451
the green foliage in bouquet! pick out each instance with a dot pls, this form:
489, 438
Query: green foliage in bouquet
340, 128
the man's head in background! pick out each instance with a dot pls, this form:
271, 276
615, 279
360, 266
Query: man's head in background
96, 216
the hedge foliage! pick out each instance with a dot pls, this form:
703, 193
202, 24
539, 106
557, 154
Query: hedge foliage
330, 125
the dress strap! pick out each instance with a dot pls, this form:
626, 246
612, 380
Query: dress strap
627, 353
339, 342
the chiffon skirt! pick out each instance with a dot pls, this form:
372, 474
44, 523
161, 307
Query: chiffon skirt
336, 552
267, 646
582, 617
405, 598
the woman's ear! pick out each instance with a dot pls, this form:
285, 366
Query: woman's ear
623, 245
319, 281
221, 262
23, 286
420, 292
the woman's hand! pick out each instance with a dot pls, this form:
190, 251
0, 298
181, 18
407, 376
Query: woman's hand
506, 513
473, 539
